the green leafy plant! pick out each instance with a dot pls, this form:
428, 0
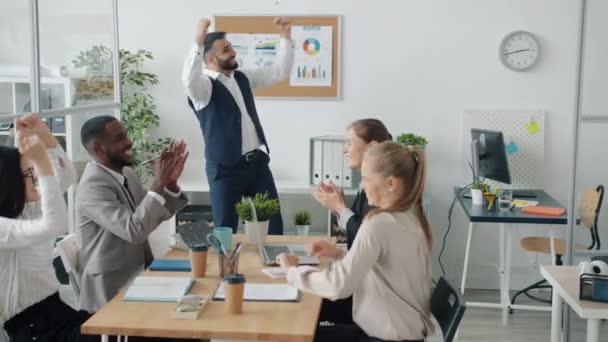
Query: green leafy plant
412, 139
138, 110
265, 207
480, 186
302, 218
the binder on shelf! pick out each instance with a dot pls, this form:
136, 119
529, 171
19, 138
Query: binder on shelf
338, 157
347, 175
317, 161
328, 162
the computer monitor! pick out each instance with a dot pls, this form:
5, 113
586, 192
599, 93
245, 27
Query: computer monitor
489, 155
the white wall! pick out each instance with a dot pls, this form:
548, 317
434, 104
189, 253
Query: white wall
417, 65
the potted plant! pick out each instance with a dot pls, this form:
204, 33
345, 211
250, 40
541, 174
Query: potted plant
138, 108
256, 212
302, 222
477, 191
412, 139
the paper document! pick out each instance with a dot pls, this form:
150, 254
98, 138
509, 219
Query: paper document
158, 289
263, 293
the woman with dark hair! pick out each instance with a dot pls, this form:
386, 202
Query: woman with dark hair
388, 268
360, 135
32, 214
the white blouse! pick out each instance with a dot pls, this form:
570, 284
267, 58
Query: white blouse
388, 273
26, 243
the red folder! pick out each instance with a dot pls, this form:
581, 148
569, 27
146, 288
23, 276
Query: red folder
542, 210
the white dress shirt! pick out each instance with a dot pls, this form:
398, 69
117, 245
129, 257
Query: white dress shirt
198, 85
27, 275
388, 273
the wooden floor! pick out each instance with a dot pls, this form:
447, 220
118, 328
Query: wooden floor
484, 325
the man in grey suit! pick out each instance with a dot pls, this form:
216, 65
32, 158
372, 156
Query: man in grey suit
115, 214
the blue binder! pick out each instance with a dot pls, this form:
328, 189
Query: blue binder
170, 265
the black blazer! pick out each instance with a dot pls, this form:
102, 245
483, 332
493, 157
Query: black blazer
360, 209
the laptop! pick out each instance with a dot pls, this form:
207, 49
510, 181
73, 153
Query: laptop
269, 254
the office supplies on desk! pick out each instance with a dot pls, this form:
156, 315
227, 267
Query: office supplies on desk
190, 307
593, 287
170, 265
519, 203
275, 272
263, 293
194, 233
544, 210
220, 236
270, 252
158, 289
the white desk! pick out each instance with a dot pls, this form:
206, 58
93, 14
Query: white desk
475, 214
565, 282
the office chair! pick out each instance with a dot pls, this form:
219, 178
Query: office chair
589, 212
448, 307
68, 252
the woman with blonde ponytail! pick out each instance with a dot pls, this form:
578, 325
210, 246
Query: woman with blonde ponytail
388, 268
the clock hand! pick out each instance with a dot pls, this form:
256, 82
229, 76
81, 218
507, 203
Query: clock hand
516, 51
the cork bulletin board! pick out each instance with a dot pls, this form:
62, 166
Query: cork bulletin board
253, 24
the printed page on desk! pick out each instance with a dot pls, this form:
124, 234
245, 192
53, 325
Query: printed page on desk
263, 293
158, 289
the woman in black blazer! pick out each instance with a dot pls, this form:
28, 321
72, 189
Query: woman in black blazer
360, 135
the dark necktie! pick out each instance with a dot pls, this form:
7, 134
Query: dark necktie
129, 194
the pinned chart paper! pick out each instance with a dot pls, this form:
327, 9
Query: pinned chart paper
313, 56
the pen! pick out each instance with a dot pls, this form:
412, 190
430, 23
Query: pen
149, 161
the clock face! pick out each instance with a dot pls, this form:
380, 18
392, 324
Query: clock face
519, 50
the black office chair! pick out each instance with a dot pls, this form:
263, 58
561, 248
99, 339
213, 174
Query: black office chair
589, 212
448, 306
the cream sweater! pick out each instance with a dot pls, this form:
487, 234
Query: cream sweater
388, 272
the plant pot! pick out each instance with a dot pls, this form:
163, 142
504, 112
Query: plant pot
302, 230
477, 196
256, 232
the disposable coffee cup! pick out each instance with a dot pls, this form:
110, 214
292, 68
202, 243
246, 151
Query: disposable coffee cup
234, 288
198, 260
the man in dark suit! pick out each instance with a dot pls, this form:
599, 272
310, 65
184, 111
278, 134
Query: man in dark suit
221, 96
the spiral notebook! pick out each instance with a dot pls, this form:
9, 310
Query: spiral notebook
158, 289
263, 293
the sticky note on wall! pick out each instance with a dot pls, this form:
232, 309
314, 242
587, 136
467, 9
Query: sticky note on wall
532, 127
511, 148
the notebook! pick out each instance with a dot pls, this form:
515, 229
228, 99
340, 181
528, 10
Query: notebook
543, 210
170, 265
263, 293
158, 289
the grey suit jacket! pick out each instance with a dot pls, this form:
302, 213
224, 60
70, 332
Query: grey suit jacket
113, 232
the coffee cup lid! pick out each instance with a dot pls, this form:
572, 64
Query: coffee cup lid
201, 247
234, 278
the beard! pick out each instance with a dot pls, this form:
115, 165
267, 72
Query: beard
119, 161
226, 65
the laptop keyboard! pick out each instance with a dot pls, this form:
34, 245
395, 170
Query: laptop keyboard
274, 251
194, 233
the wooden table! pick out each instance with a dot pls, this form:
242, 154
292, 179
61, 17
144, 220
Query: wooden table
565, 282
259, 320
